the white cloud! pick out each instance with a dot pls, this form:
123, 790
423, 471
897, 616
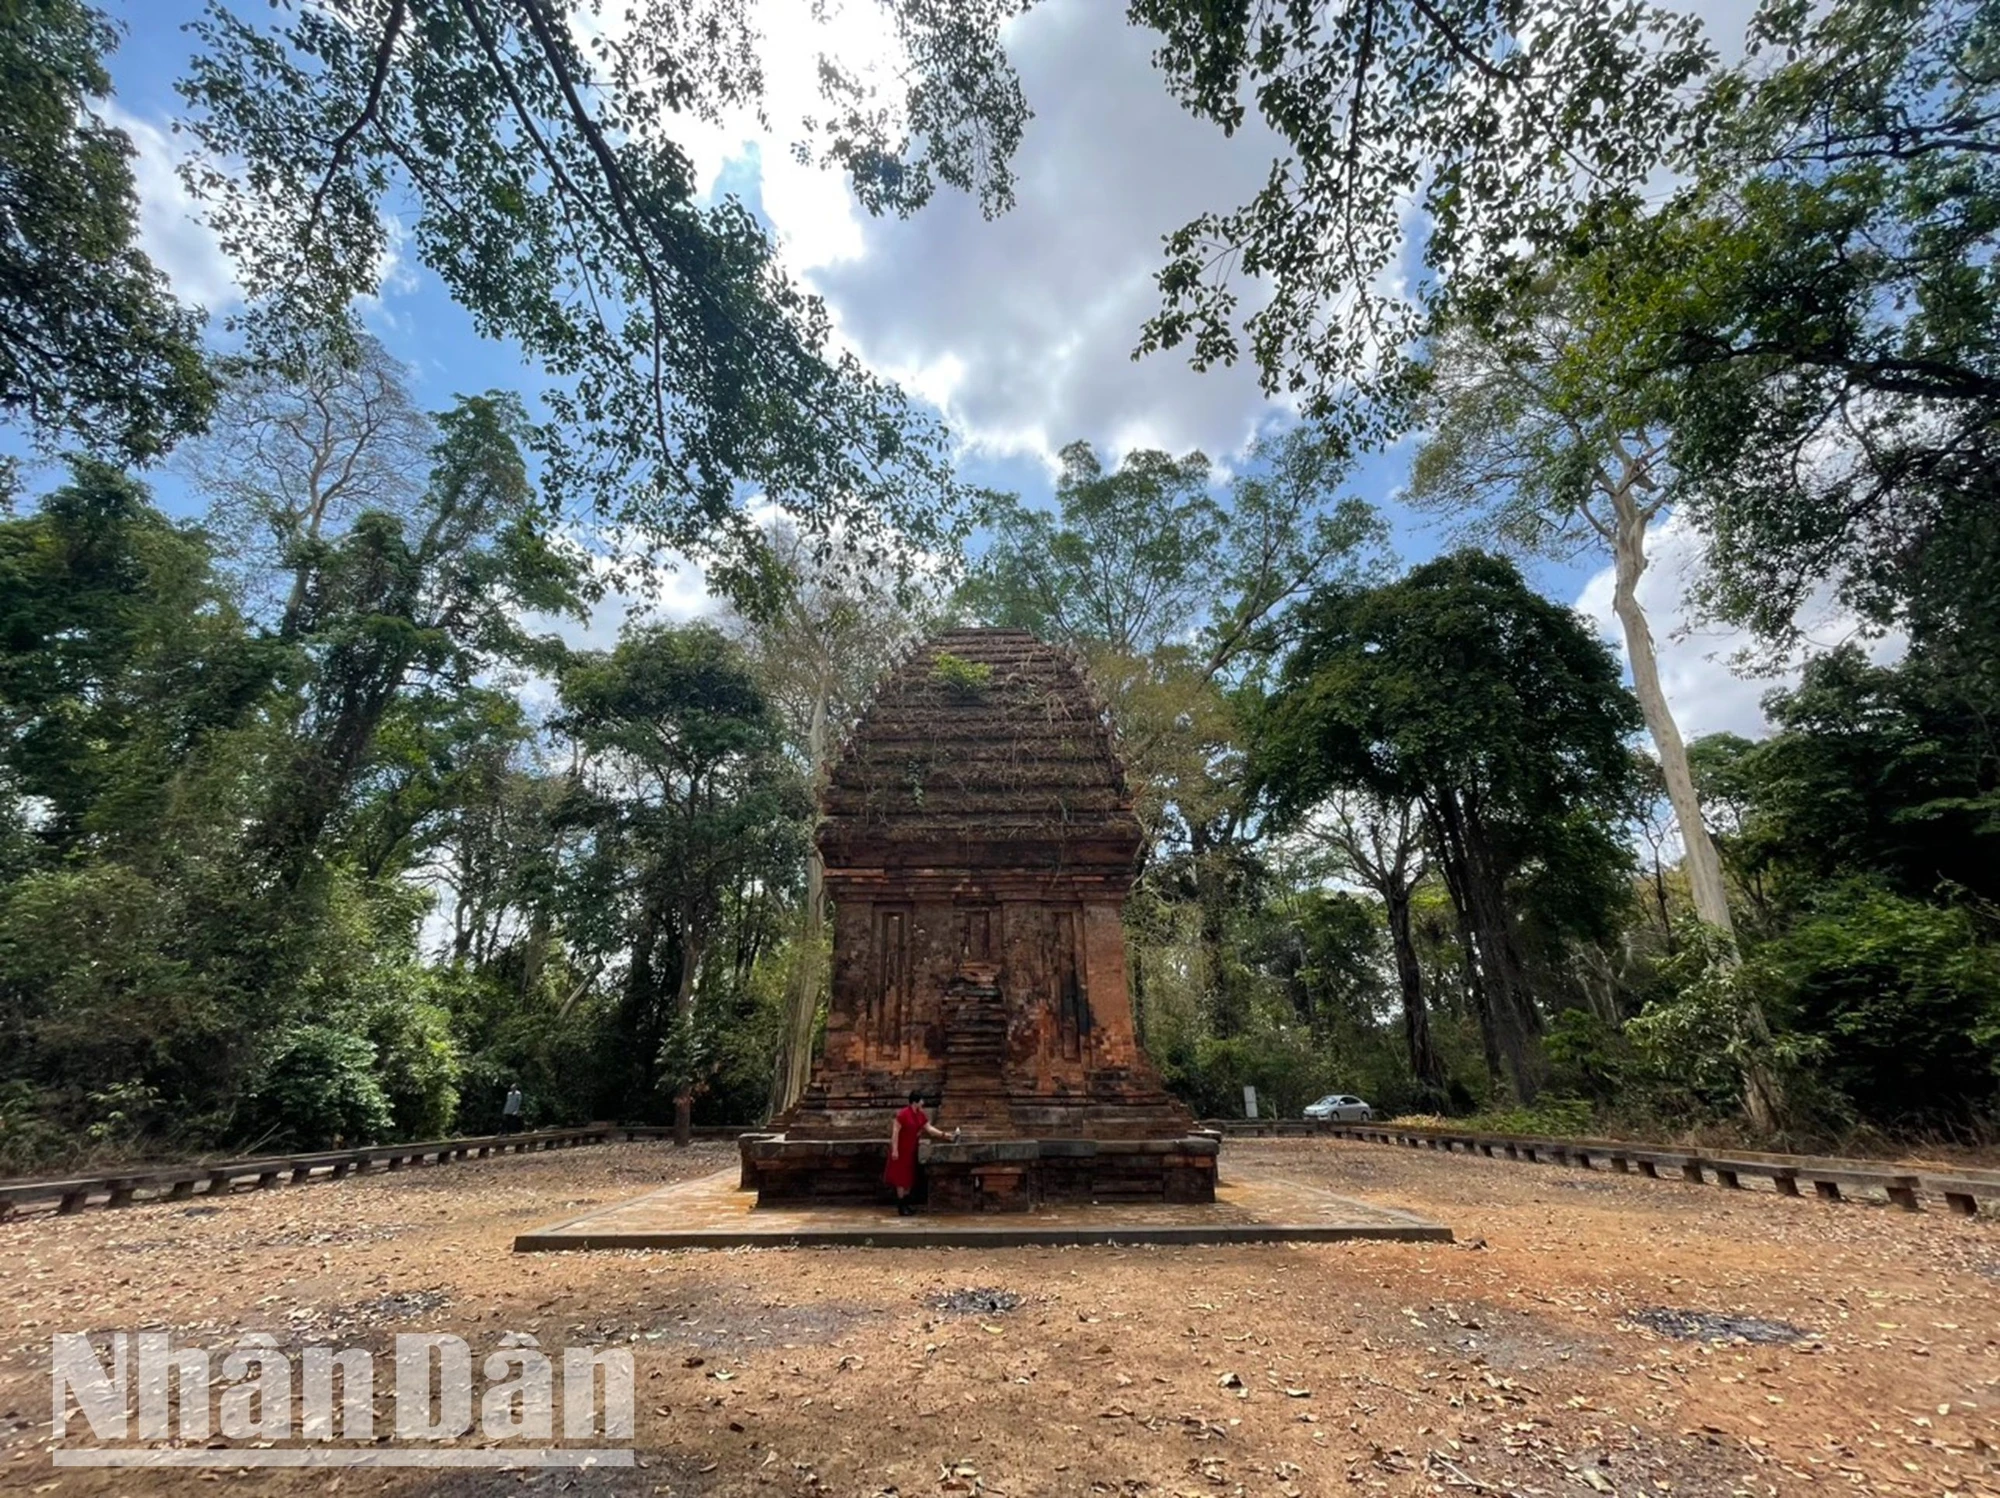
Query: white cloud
1040, 309
1705, 690
663, 592
1020, 329
170, 228
815, 217
667, 591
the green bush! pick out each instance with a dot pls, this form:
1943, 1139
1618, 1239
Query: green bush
1905, 999
746, 1024
418, 1064
29, 1139
1879, 1006
960, 674
89, 976
1696, 1043
1280, 1062
122, 1115
1588, 1057
1561, 1117
319, 1086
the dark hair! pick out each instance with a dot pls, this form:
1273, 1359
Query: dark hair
916, 1095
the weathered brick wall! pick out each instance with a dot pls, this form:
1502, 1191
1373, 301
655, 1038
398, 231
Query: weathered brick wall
983, 827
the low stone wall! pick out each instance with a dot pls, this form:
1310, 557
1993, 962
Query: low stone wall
1832, 1178
999, 1175
127, 1187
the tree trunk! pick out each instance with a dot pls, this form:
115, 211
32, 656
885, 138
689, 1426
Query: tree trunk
1660, 899
1479, 991
535, 951
792, 1066
1425, 1063
1500, 988
683, 1014
1762, 1096
1711, 897
639, 1019
1451, 866
1229, 1008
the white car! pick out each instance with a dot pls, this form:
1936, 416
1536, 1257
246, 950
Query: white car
1338, 1107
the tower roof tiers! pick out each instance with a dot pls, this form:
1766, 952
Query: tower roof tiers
984, 753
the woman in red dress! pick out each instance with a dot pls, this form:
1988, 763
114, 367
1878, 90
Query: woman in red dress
911, 1125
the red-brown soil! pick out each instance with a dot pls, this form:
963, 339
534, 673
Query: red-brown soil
1508, 1363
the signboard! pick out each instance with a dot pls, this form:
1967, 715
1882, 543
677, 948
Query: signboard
1249, 1102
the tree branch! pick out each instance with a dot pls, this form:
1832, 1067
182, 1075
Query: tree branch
384, 54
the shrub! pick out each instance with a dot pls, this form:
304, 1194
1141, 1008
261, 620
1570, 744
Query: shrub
1697, 1042
29, 1138
960, 674
418, 1065
319, 1085
1587, 1056
121, 1115
1559, 1116
1281, 1063
1905, 999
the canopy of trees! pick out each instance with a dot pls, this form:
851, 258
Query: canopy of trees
317, 822
93, 348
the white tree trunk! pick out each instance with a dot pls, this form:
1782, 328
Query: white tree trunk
794, 1068
1763, 1098
794, 1058
1703, 864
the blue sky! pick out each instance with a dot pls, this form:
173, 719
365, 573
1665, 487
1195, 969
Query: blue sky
1019, 330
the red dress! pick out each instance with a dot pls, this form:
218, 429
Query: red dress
902, 1171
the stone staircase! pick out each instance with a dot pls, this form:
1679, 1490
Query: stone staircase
975, 1090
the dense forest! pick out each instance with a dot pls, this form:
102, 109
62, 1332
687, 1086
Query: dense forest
315, 823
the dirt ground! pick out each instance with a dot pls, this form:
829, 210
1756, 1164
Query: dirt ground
1531, 1357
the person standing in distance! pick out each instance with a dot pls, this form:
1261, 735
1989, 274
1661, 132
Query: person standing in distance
510, 1111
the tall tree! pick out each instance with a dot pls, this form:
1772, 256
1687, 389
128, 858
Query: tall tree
1494, 709
1459, 136
438, 594
684, 795
306, 440
94, 350
1874, 771
534, 151
1142, 558
1122, 565
133, 729
120, 653
1530, 436
1822, 286
1379, 844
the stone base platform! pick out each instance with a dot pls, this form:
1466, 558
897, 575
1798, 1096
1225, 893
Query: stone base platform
714, 1212
992, 1175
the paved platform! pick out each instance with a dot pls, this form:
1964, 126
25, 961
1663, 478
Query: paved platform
1249, 1207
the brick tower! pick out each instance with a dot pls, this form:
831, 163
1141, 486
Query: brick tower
979, 843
